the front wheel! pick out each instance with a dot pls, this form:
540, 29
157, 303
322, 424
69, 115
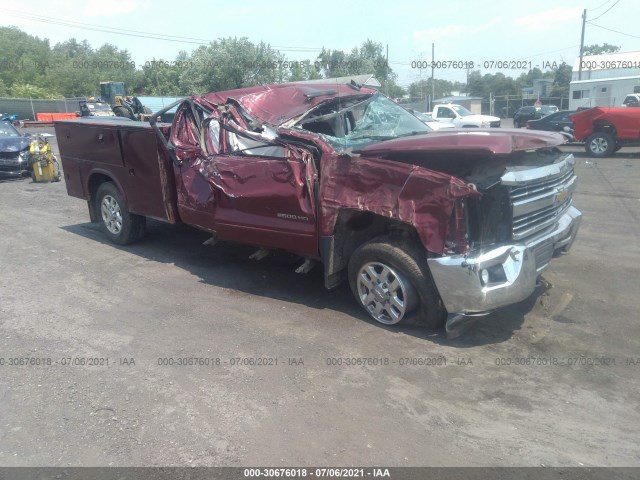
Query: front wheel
390, 279
123, 112
120, 226
600, 144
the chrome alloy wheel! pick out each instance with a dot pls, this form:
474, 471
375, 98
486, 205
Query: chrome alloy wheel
111, 214
384, 292
599, 145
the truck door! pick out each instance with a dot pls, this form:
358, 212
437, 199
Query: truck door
242, 186
195, 194
445, 114
265, 190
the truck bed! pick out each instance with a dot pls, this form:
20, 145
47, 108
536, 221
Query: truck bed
129, 153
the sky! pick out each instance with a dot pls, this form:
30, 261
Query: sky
518, 38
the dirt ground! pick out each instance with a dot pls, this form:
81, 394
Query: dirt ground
268, 381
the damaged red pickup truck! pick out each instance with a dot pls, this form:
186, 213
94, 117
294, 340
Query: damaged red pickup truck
442, 227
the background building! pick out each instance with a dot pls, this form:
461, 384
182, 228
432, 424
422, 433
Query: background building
606, 80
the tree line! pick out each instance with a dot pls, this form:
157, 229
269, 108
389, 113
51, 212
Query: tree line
31, 67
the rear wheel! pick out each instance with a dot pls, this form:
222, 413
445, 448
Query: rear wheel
118, 224
390, 278
600, 144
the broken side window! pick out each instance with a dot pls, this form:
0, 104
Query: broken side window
238, 144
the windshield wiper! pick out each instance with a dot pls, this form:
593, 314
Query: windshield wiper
411, 134
372, 137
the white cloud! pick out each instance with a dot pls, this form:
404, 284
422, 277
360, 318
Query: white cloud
549, 18
98, 8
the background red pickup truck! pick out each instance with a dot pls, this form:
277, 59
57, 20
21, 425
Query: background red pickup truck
607, 130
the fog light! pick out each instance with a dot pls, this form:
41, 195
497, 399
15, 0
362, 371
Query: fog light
484, 276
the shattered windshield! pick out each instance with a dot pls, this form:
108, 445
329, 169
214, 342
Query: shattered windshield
361, 119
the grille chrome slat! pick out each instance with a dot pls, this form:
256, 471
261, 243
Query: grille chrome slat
540, 187
538, 203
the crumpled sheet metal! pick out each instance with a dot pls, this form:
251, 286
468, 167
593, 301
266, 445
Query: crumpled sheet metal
409, 193
275, 104
245, 180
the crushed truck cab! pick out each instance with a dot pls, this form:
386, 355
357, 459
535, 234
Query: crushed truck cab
441, 227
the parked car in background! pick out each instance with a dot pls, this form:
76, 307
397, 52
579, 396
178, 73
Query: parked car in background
547, 109
555, 122
428, 120
14, 150
95, 109
632, 100
460, 117
525, 114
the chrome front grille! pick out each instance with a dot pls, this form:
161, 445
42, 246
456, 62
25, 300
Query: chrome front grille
540, 196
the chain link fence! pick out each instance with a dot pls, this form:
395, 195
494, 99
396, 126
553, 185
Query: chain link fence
27, 108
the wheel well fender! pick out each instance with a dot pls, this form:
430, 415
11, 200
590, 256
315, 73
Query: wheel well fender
95, 179
352, 229
604, 127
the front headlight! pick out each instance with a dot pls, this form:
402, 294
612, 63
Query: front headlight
23, 157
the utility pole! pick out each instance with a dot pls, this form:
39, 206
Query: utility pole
433, 84
584, 21
387, 70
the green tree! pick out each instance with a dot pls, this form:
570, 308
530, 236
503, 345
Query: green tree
597, 49
25, 90
23, 58
76, 69
230, 63
369, 58
561, 80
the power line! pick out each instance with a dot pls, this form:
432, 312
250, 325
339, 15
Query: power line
612, 30
135, 33
617, 1
599, 6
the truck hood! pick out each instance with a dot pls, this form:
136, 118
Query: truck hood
14, 144
473, 141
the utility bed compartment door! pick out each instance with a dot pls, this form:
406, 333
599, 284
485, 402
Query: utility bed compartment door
149, 177
90, 143
127, 153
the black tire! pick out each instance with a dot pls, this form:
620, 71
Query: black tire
406, 262
617, 147
123, 112
120, 226
599, 144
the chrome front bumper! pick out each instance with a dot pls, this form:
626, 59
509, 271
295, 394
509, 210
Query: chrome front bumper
513, 270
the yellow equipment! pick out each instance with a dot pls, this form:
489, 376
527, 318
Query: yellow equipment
43, 161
